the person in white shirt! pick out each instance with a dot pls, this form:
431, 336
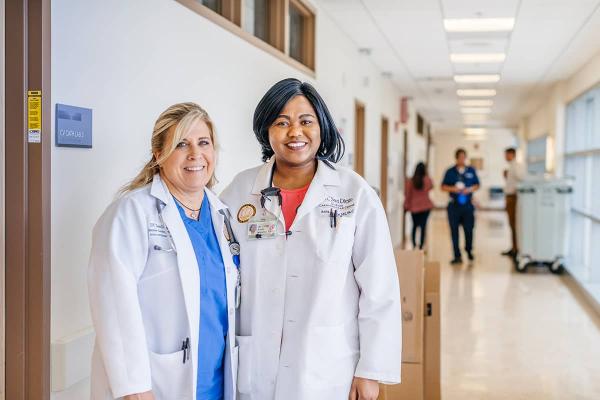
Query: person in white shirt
513, 175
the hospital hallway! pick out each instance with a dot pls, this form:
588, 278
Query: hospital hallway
507, 335
152, 150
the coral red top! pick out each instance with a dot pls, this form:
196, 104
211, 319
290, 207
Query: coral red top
417, 200
290, 201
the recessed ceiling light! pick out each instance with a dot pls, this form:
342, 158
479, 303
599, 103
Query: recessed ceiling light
476, 103
479, 24
475, 131
476, 92
491, 78
475, 118
477, 57
476, 110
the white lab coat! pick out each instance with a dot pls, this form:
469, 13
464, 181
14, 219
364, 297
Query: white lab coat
145, 298
321, 305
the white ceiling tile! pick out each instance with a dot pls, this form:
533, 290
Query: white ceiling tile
408, 39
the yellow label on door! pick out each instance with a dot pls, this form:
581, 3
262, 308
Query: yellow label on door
34, 116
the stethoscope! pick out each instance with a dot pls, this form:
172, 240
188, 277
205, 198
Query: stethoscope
234, 246
273, 191
270, 191
159, 207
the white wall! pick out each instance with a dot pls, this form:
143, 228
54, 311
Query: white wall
128, 61
491, 150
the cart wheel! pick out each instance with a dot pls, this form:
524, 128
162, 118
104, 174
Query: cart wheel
521, 264
556, 267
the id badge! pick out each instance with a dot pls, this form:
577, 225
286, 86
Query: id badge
264, 227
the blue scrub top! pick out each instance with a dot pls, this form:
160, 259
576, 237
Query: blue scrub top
468, 177
213, 303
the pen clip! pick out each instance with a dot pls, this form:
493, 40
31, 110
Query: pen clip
185, 346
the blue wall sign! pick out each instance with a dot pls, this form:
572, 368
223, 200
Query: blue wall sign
73, 126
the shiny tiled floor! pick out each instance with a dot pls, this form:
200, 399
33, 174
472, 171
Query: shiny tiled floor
507, 335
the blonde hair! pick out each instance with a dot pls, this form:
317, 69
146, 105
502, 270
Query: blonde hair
182, 116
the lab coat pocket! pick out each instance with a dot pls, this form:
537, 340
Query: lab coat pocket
244, 366
171, 377
332, 355
161, 259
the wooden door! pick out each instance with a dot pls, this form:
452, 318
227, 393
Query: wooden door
359, 139
384, 162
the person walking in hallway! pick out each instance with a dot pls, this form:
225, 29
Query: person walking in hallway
513, 175
418, 203
461, 181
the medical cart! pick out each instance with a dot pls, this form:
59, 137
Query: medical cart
543, 208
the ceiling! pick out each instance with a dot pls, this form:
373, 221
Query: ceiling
551, 40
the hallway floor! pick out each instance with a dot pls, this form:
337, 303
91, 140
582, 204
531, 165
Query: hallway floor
507, 335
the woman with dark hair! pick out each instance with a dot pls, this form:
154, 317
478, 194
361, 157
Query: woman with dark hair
320, 306
418, 203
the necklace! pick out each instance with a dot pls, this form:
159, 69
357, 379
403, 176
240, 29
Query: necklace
193, 212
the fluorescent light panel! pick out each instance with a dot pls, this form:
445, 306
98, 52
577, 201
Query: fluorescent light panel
479, 24
459, 58
476, 92
475, 119
475, 131
476, 103
476, 110
491, 78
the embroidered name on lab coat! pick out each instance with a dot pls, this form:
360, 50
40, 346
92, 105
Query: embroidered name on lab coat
155, 229
344, 206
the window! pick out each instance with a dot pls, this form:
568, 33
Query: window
229, 9
536, 155
256, 18
214, 5
267, 24
582, 162
302, 33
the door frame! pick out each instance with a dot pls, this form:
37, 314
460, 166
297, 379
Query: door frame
359, 138
2, 205
404, 178
28, 202
385, 130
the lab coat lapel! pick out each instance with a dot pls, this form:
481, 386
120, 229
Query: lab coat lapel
317, 191
186, 261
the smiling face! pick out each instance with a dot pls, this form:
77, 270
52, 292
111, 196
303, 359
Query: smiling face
295, 135
190, 166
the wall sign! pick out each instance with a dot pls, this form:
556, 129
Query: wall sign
73, 126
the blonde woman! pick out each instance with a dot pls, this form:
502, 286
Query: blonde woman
163, 274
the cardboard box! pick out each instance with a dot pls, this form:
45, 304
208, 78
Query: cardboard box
411, 387
411, 268
432, 345
420, 290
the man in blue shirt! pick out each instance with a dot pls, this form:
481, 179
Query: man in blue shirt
461, 181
